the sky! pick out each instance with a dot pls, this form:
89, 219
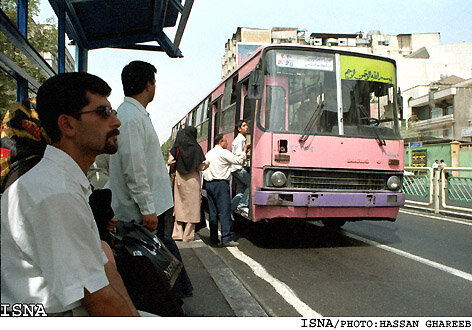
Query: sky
184, 82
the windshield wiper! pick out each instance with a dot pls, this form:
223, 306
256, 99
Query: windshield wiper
374, 122
315, 116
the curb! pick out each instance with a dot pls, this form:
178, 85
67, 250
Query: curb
235, 293
443, 212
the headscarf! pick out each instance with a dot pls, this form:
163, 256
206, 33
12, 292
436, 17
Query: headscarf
186, 151
23, 141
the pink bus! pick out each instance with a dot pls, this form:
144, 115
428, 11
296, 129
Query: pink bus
324, 129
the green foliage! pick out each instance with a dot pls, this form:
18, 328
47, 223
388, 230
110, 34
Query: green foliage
166, 146
43, 37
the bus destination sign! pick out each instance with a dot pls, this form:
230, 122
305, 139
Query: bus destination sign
309, 62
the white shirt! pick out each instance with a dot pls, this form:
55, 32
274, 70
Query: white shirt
139, 180
238, 149
50, 244
220, 163
435, 165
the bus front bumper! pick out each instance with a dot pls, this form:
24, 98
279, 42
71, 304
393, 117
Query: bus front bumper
329, 199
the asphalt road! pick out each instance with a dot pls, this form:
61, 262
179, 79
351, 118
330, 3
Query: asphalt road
420, 265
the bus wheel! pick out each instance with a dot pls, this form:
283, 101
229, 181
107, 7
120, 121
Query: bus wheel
334, 223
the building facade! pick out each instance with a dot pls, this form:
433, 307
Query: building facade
441, 111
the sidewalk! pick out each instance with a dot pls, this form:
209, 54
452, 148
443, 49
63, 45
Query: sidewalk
217, 291
430, 210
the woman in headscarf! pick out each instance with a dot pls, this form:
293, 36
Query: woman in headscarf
188, 158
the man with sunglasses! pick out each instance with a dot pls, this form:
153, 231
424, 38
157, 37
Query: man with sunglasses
51, 252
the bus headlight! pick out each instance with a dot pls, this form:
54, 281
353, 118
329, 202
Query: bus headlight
278, 179
393, 182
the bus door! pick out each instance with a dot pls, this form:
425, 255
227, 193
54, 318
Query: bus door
247, 112
214, 122
229, 109
277, 114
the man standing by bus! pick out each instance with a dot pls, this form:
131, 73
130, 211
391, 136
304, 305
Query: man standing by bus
239, 172
138, 176
216, 183
139, 179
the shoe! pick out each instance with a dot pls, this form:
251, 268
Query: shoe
230, 244
215, 243
244, 211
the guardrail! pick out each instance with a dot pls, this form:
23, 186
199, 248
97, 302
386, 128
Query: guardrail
419, 184
440, 187
456, 188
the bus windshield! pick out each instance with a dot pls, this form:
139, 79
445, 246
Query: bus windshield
302, 95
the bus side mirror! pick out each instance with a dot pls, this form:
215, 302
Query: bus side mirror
256, 85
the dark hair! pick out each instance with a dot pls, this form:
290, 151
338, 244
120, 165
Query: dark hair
65, 93
218, 138
135, 76
240, 123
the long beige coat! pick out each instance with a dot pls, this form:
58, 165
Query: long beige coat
187, 194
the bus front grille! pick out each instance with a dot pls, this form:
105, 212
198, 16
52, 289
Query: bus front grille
337, 180
331, 179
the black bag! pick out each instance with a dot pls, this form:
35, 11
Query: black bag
136, 240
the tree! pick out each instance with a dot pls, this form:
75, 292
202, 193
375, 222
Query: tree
43, 37
166, 146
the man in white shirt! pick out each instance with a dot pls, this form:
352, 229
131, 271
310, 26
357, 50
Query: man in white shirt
239, 173
51, 251
435, 165
216, 182
139, 179
138, 175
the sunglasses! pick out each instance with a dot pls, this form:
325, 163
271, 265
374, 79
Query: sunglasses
103, 111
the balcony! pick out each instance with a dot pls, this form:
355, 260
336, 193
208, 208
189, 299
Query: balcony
433, 123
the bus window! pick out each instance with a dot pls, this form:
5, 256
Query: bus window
369, 98
249, 109
229, 106
202, 119
227, 119
368, 109
215, 108
199, 118
275, 108
191, 118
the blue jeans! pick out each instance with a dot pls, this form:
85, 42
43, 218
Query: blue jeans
242, 178
219, 207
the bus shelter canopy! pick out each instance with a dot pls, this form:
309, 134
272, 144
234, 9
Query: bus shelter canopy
94, 24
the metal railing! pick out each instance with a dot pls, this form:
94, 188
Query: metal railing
441, 188
419, 185
456, 188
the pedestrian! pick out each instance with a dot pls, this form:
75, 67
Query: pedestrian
139, 180
441, 166
435, 165
216, 182
187, 157
138, 175
240, 175
51, 251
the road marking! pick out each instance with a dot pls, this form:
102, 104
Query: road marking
436, 217
279, 286
425, 261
